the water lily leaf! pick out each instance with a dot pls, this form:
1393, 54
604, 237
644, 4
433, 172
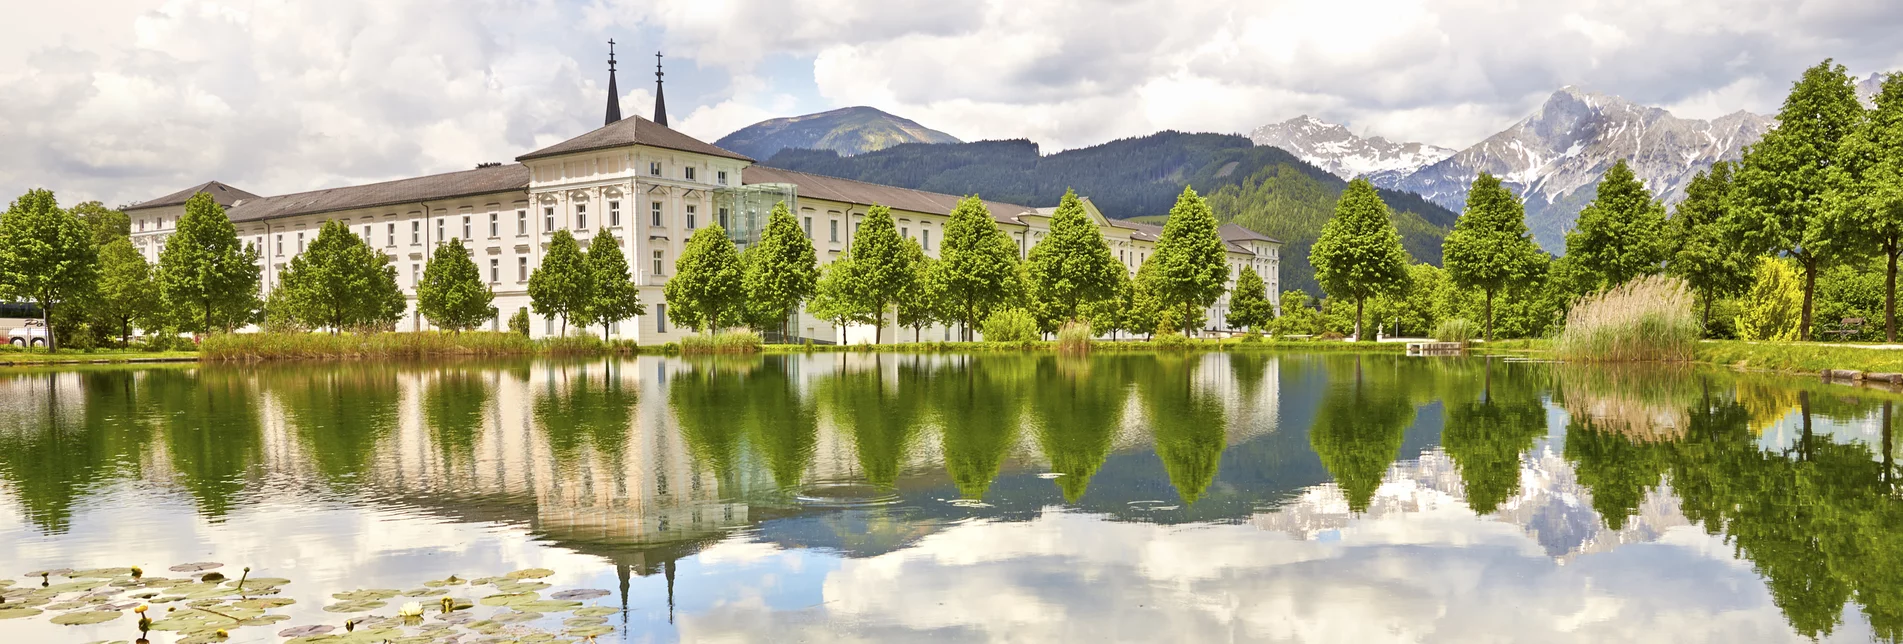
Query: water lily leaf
426, 592
354, 606
578, 622
302, 631
204, 638
72, 586
16, 612
366, 595
548, 606
263, 620
87, 617
259, 582
515, 617
107, 642
507, 599
200, 566
102, 572
589, 631
596, 611
531, 573
49, 571
580, 593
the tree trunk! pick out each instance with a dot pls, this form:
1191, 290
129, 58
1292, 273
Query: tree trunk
1804, 442
1489, 315
1186, 320
1889, 296
878, 325
1706, 322
1358, 303
46, 320
1810, 291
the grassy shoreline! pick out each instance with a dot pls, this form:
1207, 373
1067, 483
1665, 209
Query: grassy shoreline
1782, 357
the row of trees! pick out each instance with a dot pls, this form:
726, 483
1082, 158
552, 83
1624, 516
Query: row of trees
1822, 190
1069, 277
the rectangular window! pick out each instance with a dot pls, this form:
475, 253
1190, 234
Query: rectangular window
925, 238
300, 243
654, 168
439, 230
548, 219
495, 225
660, 318
416, 233
495, 270
416, 274
521, 269
581, 216
466, 235
658, 256
280, 244
366, 234
141, 225
808, 225
654, 212
690, 173
720, 177
691, 223
389, 234
835, 229
723, 217
906, 232
614, 213
522, 221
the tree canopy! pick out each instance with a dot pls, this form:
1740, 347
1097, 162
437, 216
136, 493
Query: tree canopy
1359, 254
340, 283
1249, 304
1706, 250
1071, 268
561, 286
452, 294
1192, 267
613, 296
46, 254
706, 292
1490, 248
977, 266
883, 270
782, 271
208, 280
1618, 236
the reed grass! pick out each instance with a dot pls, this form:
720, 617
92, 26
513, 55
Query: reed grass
725, 342
1648, 319
1455, 330
1075, 337
309, 346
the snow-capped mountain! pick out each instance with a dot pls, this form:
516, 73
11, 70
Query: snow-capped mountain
1333, 148
1554, 157
1868, 88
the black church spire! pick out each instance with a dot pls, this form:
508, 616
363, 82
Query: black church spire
614, 93
660, 100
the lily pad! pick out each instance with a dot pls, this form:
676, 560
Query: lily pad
253, 583
516, 617
509, 599
301, 631
354, 606
531, 573
199, 566
263, 620
596, 611
16, 612
366, 595
589, 631
426, 592
107, 573
578, 622
520, 586
548, 606
74, 586
580, 593
265, 603
87, 617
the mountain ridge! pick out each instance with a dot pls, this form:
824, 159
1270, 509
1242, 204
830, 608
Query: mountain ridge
847, 130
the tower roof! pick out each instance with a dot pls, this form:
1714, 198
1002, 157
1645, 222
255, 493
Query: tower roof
633, 130
614, 93
660, 99
225, 195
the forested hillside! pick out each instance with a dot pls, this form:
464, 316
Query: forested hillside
1262, 188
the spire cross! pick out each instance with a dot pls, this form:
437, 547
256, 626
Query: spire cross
611, 55
657, 67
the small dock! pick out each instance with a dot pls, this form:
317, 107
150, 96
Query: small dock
1436, 348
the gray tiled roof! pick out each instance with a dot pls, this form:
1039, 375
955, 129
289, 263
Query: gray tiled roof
1235, 233
859, 192
633, 130
223, 194
513, 177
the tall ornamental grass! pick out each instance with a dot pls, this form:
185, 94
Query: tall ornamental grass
1648, 319
725, 342
292, 346
1075, 337
1455, 330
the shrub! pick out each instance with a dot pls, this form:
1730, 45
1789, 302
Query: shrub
1010, 325
1649, 318
1075, 337
1331, 335
1455, 330
1172, 341
740, 341
1252, 336
519, 323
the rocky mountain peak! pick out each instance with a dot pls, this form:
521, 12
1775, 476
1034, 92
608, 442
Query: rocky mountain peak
1341, 152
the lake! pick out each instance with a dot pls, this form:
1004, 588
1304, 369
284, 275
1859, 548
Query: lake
1287, 497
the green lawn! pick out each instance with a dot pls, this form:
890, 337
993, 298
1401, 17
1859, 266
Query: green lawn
22, 357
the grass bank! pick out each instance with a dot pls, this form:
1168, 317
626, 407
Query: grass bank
346, 346
1798, 356
97, 356
1099, 345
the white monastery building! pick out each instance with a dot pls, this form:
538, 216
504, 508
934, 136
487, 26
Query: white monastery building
650, 187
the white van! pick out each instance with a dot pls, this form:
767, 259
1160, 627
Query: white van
31, 333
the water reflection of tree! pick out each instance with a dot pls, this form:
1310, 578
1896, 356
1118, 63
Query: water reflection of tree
212, 428
977, 406
1076, 409
782, 423
49, 458
1485, 437
342, 414
882, 417
453, 403
585, 405
1359, 428
705, 398
1188, 425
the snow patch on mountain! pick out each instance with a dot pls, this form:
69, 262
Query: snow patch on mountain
1333, 148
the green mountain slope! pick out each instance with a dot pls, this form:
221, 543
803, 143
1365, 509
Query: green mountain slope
1262, 188
848, 131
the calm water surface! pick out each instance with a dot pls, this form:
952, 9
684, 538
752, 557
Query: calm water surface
1210, 498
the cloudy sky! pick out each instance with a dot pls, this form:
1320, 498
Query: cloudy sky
124, 100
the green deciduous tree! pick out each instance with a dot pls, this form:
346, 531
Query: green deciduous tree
127, 293
782, 270
613, 295
1490, 248
46, 255
1192, 268
922, 304
1116, 313
1071, 267
1249, 304
833, 298
1702, 231
977, 265
106, 224
883, 270
1866, 189
706, 292
1359, 254
452, 294
340, 283
1784, 178
1620, 235
561, 286
208, 280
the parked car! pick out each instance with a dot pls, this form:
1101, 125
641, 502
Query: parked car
33, 334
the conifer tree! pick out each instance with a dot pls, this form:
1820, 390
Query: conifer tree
561, 286
883, 269
1620, 235
1359, 254
1706, 252
706, 292
1784, 178
783, 270
208, 280
340, 283
977, 267
1071, 268
1192, 268
46, 255
452, 294
1866, 189
127, 293
1249, 304
614, 296
1490, 248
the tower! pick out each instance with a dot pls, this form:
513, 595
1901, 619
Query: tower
614, 93
660, 100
